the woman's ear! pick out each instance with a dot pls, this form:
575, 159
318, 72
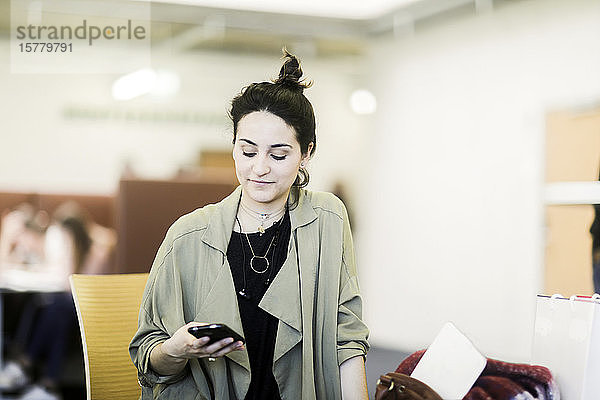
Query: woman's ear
306, 155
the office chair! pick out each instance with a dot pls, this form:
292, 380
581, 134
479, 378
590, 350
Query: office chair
107, 309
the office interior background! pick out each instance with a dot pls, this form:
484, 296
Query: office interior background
452, 163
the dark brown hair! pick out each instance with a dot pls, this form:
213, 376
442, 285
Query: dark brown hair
75, 220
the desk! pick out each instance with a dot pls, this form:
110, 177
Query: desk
15, 278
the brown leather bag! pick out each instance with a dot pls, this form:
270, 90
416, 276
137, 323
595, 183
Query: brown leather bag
396, 386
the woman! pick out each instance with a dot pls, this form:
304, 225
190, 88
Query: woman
272, 261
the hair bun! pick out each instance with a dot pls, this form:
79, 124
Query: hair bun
290, 73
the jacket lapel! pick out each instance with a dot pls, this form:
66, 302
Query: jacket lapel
220, 305
221, 220
283, 298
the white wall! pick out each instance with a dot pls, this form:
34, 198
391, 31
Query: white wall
453, 214
43, 150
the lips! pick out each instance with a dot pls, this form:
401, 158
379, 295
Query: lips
260, 182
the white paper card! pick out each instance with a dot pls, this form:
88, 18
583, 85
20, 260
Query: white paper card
451, 364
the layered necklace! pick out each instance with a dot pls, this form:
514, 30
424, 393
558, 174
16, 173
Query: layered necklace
262, 217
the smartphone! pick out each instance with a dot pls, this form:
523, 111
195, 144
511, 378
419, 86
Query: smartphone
215, 332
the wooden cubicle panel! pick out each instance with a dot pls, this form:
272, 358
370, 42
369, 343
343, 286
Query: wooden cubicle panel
572, 154
572, 146
569, 249
146, 209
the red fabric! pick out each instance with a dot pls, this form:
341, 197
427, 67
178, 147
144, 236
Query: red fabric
502, 381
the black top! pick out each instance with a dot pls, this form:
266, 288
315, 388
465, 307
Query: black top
260, 327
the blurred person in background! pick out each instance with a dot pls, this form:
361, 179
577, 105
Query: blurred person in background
22, 235
71, 244
273, 261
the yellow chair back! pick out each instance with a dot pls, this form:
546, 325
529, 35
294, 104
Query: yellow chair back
107, 309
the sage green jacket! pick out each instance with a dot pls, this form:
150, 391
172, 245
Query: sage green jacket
315, 296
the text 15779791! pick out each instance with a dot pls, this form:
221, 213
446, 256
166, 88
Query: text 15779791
45, 47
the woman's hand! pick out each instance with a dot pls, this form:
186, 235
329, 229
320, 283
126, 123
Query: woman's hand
170, 357
184, 345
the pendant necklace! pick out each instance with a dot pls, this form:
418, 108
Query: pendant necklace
243, 292
255, 257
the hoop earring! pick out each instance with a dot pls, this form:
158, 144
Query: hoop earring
302, 178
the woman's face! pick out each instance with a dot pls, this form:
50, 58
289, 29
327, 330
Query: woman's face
267, 157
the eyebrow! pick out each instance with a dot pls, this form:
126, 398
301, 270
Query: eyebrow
273, 146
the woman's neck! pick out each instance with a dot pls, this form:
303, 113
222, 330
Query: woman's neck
256, 217
259, 208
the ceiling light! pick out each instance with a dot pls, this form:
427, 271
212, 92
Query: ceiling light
134, 84
159, 84
363, 102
